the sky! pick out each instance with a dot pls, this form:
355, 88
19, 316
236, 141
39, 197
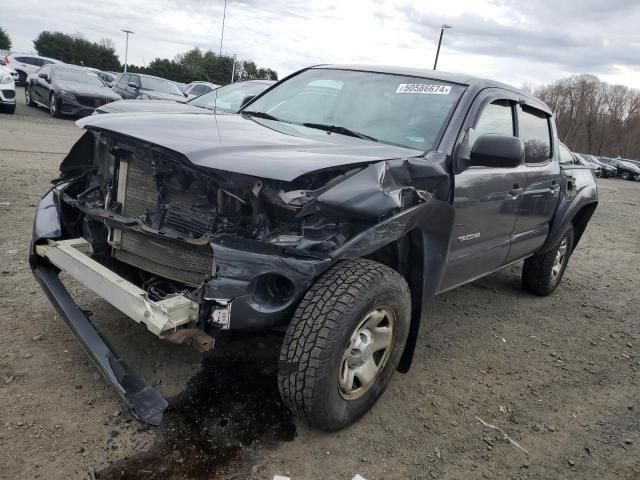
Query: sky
514, 41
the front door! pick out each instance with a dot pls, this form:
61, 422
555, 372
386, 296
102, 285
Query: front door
486, 199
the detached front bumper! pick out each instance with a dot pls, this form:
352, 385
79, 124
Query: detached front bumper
144, 401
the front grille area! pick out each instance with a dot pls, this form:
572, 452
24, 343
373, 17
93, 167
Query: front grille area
175, 260
9, 94
93, 102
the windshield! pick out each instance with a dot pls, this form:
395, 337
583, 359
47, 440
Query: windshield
230, 97
159, 85
401, 110
77, 76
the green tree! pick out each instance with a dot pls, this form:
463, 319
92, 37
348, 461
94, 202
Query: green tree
197, 64
5, 40
76, 50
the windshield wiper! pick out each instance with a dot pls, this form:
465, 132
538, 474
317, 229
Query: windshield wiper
340, 130
265, 115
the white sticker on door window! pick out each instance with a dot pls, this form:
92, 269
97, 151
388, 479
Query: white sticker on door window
423, 88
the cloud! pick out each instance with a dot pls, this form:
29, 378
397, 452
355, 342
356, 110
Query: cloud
508, 40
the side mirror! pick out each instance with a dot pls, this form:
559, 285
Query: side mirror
44, 76
493, 150
133, 85
186, 95
247, 99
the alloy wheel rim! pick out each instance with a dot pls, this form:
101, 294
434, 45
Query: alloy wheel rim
559, 260
367, 352
27, 95
52, 104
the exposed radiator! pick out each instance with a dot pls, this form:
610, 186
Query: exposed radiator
175, 260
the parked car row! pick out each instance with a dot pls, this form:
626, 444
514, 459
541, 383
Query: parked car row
65, 89
609, 167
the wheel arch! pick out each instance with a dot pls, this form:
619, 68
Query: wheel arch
415, 243
580, 221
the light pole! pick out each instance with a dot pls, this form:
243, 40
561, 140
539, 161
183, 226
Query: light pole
435, 64
126, 48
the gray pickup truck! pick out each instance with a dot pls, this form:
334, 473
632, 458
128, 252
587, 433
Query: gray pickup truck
331, 209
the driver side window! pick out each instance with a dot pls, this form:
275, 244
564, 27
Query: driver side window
496, 117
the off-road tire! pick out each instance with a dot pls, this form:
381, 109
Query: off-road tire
320, 331
537, 274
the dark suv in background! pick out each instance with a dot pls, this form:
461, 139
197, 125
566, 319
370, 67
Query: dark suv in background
146, 87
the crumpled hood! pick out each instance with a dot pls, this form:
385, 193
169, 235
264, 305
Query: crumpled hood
243, 145
88, 90
156, 106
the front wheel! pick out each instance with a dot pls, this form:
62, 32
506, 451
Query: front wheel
344, 343
625, 176
54, 105
28, 96
543, 272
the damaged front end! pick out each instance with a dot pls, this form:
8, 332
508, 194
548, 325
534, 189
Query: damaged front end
190, 251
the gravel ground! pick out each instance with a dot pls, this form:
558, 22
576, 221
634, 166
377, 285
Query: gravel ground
558, 375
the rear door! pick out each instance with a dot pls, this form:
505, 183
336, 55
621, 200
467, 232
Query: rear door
486, 199
536, 129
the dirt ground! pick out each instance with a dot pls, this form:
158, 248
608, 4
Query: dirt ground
558, 375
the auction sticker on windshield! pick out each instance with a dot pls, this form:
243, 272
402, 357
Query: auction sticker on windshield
423, 88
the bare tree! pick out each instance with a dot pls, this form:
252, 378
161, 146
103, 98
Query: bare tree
595, 117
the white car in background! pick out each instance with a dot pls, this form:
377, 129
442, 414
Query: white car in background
25, 64
7, 91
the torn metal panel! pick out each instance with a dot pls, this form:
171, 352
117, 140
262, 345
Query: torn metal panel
386, 188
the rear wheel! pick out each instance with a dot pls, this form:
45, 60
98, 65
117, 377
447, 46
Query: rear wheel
543, 272
344, 343
625, 176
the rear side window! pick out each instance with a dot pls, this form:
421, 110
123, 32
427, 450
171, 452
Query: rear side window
535, 134
496, 117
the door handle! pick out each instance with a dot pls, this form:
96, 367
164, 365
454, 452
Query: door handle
515, 190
